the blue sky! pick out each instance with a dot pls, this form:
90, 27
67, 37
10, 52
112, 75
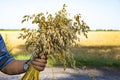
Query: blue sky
98, 14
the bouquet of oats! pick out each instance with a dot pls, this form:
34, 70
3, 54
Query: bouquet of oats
53, 37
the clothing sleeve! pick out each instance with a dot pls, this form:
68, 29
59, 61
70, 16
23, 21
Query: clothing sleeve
5, 57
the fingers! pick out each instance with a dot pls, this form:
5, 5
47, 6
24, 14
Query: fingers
39, 68
39, 64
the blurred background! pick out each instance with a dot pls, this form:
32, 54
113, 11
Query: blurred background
101, 48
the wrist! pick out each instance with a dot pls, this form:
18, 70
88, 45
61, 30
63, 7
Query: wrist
26, 65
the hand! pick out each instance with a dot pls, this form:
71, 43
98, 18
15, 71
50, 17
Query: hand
39, 63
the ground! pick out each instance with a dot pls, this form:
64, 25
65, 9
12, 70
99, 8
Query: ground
99, 73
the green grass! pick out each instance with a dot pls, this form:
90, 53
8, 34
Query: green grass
22, 57
82, 59
96, 61
89, 56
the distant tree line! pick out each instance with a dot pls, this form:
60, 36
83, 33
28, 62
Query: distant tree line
88, 30
9, 29
105, 30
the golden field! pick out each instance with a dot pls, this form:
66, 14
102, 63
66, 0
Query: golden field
97, 39
102, 38
99, 45
13, 41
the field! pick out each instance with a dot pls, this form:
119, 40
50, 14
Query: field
99, 49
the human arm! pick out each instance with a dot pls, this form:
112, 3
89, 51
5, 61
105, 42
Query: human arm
16, 66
